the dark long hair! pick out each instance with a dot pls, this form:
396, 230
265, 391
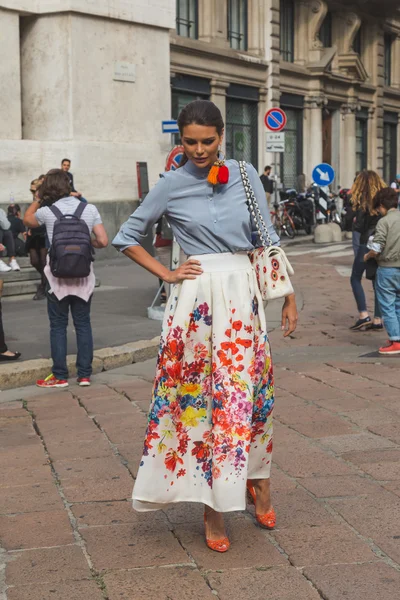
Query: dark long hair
200, 112
55, 186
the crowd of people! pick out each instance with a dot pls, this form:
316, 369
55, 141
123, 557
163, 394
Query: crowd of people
31, 236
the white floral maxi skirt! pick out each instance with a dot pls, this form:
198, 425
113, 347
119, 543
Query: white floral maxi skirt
210, 420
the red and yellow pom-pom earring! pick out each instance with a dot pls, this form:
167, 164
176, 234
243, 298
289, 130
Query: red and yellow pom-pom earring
219, 172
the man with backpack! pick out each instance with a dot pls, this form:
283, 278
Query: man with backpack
73, 229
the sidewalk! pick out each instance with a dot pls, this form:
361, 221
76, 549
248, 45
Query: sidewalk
69, 458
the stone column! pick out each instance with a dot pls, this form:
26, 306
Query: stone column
256, 19
348, 144
312, 146
301, 38
396, 63
213, 23
218, 96
10, 77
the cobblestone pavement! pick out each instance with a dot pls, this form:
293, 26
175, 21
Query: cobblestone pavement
68, 460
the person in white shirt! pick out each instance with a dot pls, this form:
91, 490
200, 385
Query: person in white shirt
66, 294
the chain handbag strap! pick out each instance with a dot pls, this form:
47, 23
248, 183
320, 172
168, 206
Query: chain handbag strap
253, 206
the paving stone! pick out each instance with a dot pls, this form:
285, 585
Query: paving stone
139, 389
185, 512
26, 475
362, 457
89, 468
47, 565
175, 583
297, 508
132, 454
66, 428
71, 590
314, 462
129, 546
390, 431
119, 431
278, 583
340, 485
94, 448
92, 514
356, 441
365, 581
315, 422
32, 455
30, 498
108, 403
372, 415
323, 545
113, 487
35, 530
376, 517
384, 471
244, 535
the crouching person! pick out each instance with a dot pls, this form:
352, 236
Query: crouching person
385, 247
73, 229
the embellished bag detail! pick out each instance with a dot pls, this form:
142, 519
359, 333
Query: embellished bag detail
219, 173
269, 262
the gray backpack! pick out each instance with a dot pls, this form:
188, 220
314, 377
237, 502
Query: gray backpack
71, 250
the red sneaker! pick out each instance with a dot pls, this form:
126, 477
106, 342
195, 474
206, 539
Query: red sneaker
83, 381
52, 382
391, 348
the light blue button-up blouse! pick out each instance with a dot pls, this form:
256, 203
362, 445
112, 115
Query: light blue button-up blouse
205, 219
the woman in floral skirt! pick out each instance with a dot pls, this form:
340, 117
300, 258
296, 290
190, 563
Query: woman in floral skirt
209, 433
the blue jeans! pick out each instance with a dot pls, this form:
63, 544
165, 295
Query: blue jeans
355, 241
388, 292
359, 267
58, 311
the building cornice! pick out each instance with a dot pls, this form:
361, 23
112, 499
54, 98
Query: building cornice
207, 50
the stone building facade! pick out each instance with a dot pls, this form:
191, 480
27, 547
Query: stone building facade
92, 81
333, 69
88, 80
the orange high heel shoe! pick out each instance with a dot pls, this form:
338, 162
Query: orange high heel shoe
268, 520
221, 545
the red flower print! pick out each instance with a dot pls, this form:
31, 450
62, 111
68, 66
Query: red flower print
248, 329
201, 451
240, 357
181, 473
237, 325
269, 447
171, 459
228, 333
224, 359
244, 343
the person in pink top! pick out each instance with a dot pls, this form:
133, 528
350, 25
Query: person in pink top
63, 294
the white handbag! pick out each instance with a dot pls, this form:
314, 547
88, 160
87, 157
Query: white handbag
270, 262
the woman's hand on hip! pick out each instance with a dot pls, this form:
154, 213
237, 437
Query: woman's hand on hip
289, 315
190, 269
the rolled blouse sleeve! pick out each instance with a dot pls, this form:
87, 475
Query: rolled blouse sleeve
263, 205
134, 231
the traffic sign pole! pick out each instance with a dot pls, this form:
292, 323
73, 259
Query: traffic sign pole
275, 120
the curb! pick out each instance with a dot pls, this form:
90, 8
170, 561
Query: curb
20, 374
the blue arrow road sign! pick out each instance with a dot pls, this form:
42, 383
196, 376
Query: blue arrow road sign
169, 127
323, 174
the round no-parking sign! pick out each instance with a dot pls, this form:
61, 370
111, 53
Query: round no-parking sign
174, 158
275, 119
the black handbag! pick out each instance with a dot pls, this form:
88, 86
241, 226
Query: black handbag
371, 269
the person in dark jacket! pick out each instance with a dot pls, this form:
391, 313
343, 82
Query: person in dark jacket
364, 189
17, 228
268, 184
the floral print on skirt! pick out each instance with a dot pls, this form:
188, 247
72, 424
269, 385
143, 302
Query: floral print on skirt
210, 420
